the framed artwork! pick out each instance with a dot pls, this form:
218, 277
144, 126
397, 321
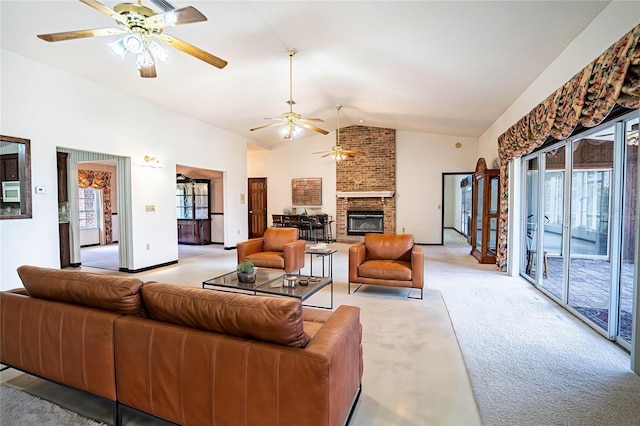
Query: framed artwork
306, 191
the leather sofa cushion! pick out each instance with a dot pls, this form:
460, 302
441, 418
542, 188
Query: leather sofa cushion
106, 292
386, 270
274, 239
390, 247
270, 319
267, 259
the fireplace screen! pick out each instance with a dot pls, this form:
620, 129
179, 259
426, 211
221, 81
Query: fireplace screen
365, 222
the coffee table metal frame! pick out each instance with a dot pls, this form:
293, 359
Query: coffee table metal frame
323, 254
272, 283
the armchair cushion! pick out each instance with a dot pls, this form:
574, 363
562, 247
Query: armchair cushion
388, 247
274, 239
386, 270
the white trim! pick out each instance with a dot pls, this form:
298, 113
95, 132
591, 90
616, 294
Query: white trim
364, 194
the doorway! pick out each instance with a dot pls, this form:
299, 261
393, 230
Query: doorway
257, 207
456, 208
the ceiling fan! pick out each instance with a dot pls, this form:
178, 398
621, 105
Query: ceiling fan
293, 121
338, 152
141, 26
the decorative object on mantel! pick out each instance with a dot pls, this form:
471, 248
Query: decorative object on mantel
293, 121
140, 25
337, 152
306, 191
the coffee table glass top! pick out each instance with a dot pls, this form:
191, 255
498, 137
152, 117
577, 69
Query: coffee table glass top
278, 287
230, 280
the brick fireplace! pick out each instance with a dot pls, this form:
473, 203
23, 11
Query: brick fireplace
367, 182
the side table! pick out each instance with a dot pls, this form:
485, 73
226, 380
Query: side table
323, 254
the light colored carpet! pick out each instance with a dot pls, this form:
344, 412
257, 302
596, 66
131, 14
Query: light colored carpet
530, 361
21, 409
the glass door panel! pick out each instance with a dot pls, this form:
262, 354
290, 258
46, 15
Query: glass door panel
479, 214
589, 286
530, 225
627, 251
550, 225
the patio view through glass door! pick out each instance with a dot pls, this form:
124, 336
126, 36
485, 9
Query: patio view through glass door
591, 267
551, 223
579, 220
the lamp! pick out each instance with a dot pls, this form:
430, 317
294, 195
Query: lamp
148, 52
290, 131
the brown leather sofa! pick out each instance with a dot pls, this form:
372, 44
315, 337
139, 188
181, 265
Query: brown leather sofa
387, 260
183, 354
278, 248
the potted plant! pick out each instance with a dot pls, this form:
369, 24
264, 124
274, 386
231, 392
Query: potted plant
246, 273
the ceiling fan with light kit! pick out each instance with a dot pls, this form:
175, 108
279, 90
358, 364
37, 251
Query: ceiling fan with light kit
141, 27
292, 121
338, 152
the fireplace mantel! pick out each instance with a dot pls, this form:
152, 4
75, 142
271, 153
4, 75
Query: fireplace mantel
364, 194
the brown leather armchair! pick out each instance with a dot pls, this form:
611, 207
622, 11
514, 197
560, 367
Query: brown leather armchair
278, 248
387, 260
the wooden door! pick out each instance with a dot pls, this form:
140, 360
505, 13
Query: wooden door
257, 207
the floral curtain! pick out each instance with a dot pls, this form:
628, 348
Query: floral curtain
99, 180
586, 99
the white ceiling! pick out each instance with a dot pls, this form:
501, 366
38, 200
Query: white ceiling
442, 67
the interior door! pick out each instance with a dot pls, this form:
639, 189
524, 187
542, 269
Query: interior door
257, 207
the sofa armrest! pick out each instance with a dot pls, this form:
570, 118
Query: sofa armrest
339, 341
245, 248
294, 256
417, 267
357, 254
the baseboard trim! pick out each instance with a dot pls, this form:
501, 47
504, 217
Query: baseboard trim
148, 268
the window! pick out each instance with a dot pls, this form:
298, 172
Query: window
88, 205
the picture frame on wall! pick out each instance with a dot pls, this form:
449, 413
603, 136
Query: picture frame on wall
306, 191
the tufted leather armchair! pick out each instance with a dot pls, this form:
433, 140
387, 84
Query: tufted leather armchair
278, 248
387, 260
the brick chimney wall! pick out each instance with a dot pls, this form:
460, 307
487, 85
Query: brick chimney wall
372, 170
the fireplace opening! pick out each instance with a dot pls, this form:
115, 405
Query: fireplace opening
360, 222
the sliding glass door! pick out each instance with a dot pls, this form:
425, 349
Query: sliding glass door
579, 221
590, 269
627, 250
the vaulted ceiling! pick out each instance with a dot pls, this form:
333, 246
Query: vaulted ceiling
443, 67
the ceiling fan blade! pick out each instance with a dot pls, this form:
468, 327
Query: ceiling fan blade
185, 15
327, 154
164, 5
71, 35
321, 152
102, 8
319, 120
148, 72
193, 51
310, 127
265, 126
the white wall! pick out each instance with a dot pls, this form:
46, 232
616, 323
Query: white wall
295, 159
420, 161
61, 110
615, 21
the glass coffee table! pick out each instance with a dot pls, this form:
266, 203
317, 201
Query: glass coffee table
273, 283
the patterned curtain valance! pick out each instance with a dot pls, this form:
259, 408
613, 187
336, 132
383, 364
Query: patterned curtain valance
93, 179
586, 99
100, 180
